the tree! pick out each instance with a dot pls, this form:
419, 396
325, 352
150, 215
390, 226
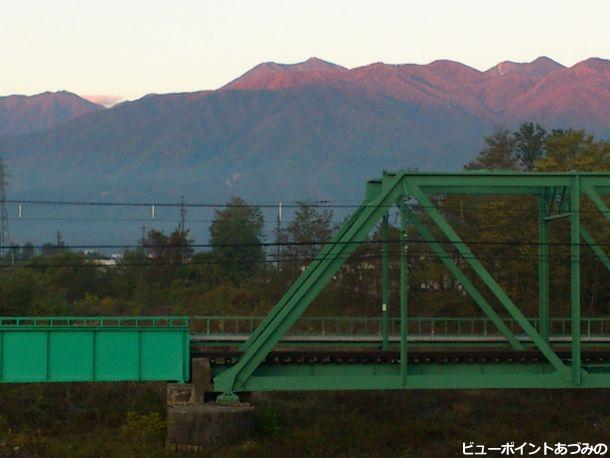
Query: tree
166, 253
529, 144
499, 153
174, 249
51, 249
308, 231
236, 238
27, 251
574, 150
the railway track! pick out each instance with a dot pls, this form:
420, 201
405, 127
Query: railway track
228, 356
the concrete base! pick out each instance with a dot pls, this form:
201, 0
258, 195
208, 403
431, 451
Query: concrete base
179, 394
197, 426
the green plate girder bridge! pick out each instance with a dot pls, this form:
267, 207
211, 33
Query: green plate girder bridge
94, 349
289, 351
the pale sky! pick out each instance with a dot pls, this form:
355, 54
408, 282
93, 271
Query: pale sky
129, 48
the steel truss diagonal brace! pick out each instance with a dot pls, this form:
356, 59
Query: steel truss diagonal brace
595, 247
323, 255
306, 289
462, 278
597, 200
489, 281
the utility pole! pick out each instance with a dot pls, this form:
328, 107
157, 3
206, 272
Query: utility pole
182, 226
60, 242
143, 239
278, 234
5, 238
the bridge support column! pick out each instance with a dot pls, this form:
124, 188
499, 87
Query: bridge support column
194, 424
543, 269
575, 277
385, 281
404, 291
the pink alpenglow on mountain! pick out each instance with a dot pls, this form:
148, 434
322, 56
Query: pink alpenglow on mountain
21, 114
542, 90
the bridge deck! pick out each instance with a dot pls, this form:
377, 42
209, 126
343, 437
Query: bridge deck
224, 339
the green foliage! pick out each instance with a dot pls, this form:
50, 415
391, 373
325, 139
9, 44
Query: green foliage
308, 231
492, 219
144, 428
236, 239
507, 150
27, 252
268, 421
499, 153
574, 150
529, 144
165, 254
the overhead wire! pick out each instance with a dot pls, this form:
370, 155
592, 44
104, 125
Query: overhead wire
42, 263
317, 204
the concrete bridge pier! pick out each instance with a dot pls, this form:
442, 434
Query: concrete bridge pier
194, 424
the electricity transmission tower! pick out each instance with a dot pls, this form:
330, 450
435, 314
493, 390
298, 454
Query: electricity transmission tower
5, 238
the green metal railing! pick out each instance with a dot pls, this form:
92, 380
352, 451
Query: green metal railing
96, 321
372, 326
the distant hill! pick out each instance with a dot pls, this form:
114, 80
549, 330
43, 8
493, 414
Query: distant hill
22, 114
308, 130
538, 68
273, 76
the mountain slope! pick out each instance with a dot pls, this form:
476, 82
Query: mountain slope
310, 130
22, 114
575, 97
239, 132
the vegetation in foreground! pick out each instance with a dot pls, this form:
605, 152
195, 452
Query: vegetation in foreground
129, 420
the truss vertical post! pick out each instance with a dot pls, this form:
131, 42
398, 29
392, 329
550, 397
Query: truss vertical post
385, 281
543, 268
404, 291
575, 276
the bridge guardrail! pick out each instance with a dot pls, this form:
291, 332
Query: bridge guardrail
371, 326
96, 321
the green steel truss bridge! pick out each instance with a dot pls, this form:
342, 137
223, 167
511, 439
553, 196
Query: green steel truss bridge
287, 350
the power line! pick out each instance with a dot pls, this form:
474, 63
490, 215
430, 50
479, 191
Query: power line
317, 204
110, 220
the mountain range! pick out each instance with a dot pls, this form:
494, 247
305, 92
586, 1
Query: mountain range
308, 130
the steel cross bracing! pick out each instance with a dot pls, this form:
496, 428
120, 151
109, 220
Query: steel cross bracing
560, 196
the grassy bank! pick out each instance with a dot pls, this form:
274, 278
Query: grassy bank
129, 420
